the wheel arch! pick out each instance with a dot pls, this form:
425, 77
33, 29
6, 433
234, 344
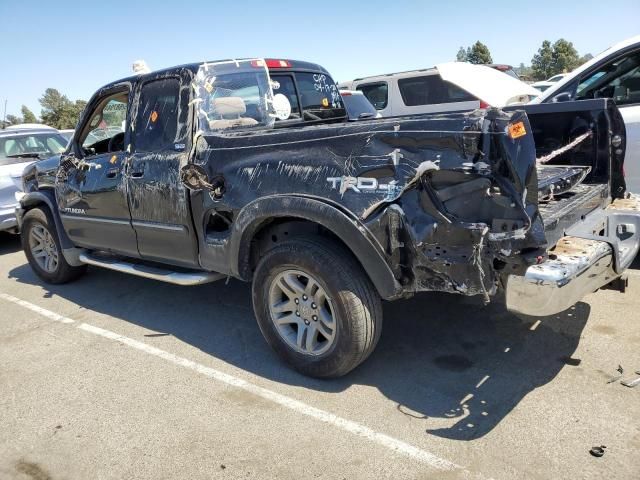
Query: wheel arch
46, 198
263, 214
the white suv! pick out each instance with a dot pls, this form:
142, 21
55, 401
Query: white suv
448, 87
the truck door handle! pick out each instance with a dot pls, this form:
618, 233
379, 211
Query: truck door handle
138, 172
112, 172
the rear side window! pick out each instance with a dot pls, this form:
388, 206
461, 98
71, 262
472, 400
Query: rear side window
319, 97
429, 90
284, 84
377, 93
156, 127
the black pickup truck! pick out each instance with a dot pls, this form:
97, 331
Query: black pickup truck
202, 173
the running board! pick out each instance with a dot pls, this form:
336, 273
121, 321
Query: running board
140, 270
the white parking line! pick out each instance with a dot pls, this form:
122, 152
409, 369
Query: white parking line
355, 428
37, 309
633, 273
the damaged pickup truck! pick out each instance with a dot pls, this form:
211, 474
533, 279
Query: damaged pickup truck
197, 181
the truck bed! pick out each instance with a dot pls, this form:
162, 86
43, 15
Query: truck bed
562, 211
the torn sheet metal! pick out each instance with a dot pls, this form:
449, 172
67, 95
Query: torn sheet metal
446, 195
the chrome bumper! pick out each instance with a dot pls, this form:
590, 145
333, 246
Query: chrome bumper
580, 263
559, 283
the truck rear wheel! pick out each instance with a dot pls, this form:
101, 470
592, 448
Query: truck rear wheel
42, 247
316, 307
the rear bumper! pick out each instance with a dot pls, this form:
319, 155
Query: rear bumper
580, 263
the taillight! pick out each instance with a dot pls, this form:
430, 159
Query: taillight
345, 94
484, 104
271, 63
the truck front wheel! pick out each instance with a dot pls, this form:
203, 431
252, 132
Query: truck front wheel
42, 247
316, 307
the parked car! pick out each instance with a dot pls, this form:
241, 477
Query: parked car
545, 84
326, 219
357, 105
18, 148
67, 133
615, 73
428, 91
29, 126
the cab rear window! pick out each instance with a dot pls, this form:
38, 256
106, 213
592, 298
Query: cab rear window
319, 97
313, 96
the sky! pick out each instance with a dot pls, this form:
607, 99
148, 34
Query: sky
78, 46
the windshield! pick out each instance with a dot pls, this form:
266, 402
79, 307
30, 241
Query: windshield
26, 147
234, 95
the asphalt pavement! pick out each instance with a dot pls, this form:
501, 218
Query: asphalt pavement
117, 377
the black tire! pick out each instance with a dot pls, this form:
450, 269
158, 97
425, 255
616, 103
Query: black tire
63, 272
357, 305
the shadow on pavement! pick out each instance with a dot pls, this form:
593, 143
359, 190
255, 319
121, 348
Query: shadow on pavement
448, 359
9, 243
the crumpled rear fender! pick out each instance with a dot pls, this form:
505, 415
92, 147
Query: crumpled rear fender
346, 227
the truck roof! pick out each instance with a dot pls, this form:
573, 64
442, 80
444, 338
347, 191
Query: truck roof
273, 64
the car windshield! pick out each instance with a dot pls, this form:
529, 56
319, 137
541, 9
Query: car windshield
234, 95
24, 147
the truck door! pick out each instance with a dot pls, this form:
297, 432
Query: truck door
159, 203
90, 190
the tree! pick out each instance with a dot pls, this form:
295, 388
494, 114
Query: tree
585, 58
524, 72
14, 120
28, 116
479, 54
542, 62
58, 111
561, 57
565, 57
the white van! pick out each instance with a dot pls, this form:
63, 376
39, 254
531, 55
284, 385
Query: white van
447, 87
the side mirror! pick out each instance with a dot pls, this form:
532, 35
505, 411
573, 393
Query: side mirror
194, 177
562, 97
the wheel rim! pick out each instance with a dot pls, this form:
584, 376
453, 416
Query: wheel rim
302, 312
43, 248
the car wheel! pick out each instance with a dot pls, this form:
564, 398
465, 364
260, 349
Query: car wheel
316, 307
42, 247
